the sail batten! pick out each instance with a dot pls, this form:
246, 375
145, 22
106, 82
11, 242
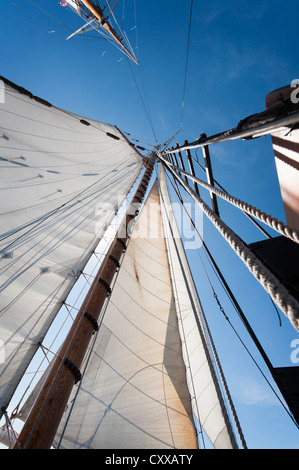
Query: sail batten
62, 181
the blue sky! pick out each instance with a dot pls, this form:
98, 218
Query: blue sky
239, 52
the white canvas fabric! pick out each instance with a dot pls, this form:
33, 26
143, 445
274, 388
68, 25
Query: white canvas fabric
58, 171
134, 392
149, 370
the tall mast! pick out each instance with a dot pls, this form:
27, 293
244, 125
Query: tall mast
96, 11
43, 421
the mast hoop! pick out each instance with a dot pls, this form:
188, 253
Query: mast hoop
92, 320
106, 285
115, 260
122, 243
271, 283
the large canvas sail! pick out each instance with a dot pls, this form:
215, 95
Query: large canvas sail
134, 392
57, 173
207, 403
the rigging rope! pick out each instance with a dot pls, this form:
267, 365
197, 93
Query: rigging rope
279, 294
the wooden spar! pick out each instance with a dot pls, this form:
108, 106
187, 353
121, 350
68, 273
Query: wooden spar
42, 423
99, 15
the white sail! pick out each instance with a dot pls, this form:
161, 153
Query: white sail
134, 392
58, 171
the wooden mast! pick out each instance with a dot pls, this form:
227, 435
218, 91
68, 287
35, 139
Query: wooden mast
41, 426
99, 15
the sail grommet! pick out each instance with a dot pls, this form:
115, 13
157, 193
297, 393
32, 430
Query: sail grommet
106, 285
75, 371
92, 321
115, 260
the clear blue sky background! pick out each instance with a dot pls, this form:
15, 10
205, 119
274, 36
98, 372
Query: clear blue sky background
239, 52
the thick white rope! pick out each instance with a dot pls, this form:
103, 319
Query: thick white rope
272, 222
277, 291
